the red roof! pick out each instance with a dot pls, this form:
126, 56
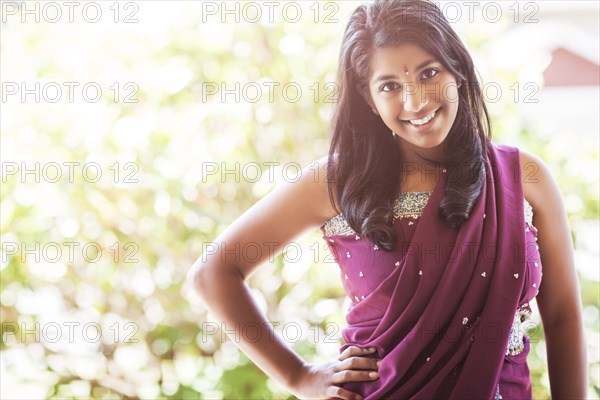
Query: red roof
570, 69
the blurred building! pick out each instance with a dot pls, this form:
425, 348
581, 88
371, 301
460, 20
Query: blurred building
563, 46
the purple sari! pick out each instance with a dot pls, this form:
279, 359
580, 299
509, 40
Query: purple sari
440, 307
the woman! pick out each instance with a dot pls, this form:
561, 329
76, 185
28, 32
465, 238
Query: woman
431, 224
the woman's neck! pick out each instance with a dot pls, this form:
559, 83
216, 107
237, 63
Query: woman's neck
417, 173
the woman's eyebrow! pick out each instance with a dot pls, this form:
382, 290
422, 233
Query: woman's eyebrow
392, 76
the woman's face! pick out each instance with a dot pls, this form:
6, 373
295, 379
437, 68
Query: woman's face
414, 94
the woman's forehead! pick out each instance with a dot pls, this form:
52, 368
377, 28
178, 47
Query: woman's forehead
395, 58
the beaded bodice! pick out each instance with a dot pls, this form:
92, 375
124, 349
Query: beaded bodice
406, 205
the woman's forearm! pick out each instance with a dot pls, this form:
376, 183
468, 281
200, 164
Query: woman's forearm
227, 296
567, 360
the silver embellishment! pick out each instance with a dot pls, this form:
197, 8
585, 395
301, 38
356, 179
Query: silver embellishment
515, 341
483, 274
465, 320
397, 263
516, 276
528, 212
361, 274
338, 226
410, 204
406, 205
498, 396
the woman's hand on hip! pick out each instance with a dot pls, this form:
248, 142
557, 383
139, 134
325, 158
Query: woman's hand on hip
324, 380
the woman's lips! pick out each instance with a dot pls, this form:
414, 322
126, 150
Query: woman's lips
425, 126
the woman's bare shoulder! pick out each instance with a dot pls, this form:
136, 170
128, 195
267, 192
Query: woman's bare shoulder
302, 199
535, 177
317, 186
294, 207
541, 190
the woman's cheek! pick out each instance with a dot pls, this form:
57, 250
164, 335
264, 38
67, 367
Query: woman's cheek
450, 91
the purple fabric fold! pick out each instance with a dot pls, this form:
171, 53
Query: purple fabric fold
441, 320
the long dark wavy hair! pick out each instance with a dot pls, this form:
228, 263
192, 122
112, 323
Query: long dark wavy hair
364, 163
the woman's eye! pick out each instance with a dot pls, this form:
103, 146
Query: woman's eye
430, 73
388, 87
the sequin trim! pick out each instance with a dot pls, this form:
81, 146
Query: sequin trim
516, 343
498, 396
406, 205
410, 204
528, 212
338, 226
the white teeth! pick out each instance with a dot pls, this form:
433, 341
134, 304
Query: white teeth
423, 120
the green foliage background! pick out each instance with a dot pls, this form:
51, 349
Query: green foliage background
152, 226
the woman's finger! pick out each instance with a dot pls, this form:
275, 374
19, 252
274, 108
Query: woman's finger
353, 376
357, 363
336, 391
356, 351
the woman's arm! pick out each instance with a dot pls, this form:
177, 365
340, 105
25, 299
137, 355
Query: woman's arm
558, 300
287, 212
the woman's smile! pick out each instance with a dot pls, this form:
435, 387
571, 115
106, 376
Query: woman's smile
425, 123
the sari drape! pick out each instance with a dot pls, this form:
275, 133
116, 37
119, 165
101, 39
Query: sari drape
441, 319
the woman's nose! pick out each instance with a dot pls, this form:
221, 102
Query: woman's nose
414, 98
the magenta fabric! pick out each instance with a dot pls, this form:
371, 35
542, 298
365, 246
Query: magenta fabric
440, 306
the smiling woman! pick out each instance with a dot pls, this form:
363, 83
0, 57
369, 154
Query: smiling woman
407, 63
433, 228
